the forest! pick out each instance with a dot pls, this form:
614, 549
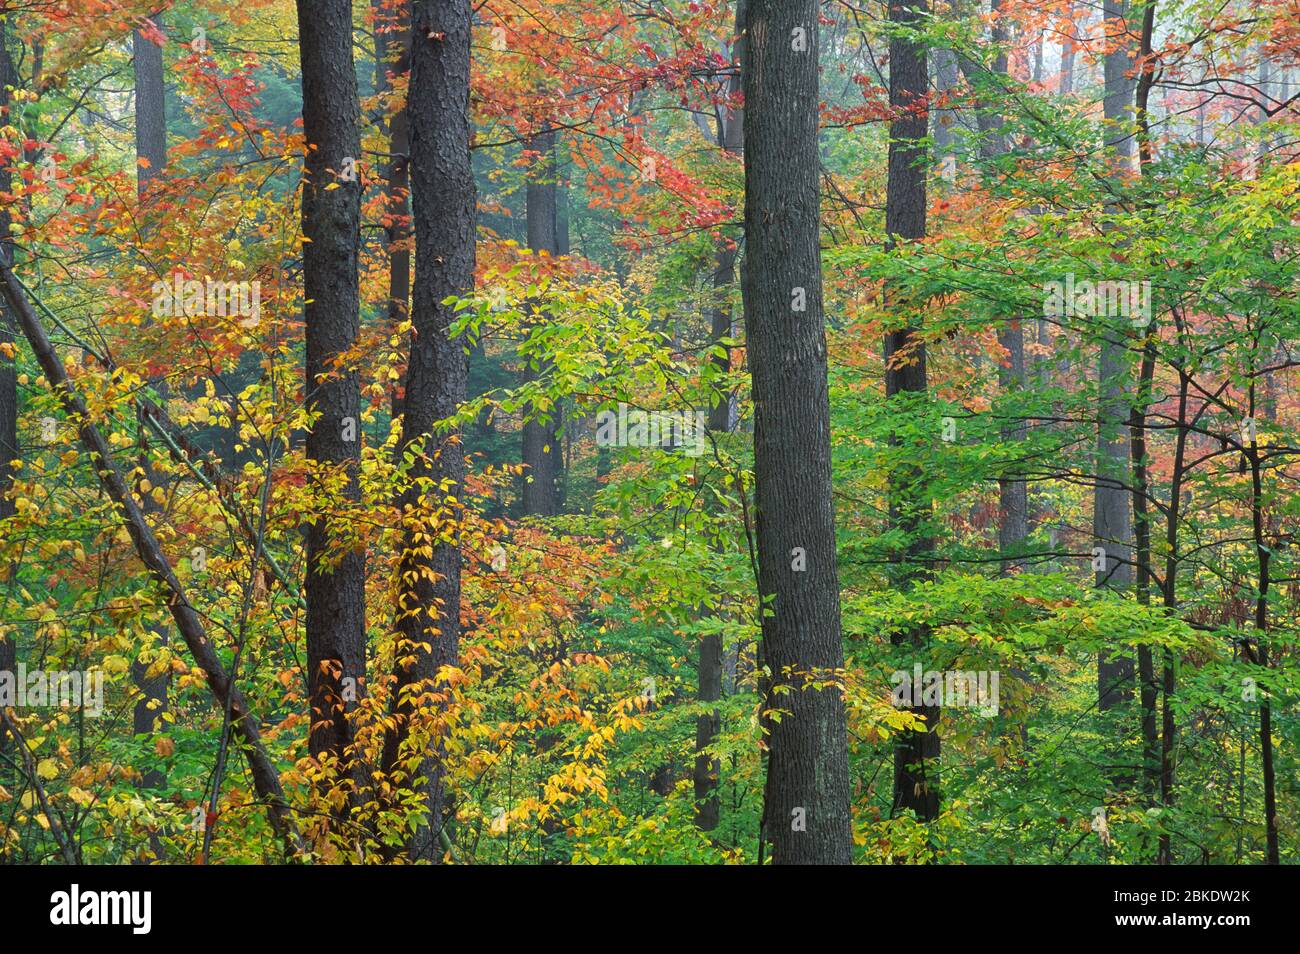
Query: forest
657, 432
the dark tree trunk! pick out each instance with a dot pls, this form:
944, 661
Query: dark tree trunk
806, 807
443, 201
1264, 555
1112, 518
1067, 54
150, 107
731, 139
916, 754
541, 439
151, 161
336, 579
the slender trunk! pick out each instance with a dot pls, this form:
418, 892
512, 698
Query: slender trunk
397, 228
916, 753
1112, 519
1263, 555
428, 576
541, 439
1067, 52
806, 800
151, 160
1148, 690
1169, 726
336, 573
707, 726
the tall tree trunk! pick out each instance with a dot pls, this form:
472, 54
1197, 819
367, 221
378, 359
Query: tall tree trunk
331, 217
1013, 495
1067, 52
443, 201
731, 139
1148, 691
397, 231
151, 160
1112, 520
806, 801
916, 753
541, 439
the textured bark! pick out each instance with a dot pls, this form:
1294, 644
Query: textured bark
443, 201
331, 215
731, 138
151, 147
266, 780
916, 754
806, 807
541, 439
1112, 524
150, 107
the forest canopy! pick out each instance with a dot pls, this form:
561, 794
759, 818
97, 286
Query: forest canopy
649, 431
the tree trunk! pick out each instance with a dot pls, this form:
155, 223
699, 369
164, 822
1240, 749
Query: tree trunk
397, 231
1067, 52
443, 201
541, 439
731, 133
1111, 520
806, 801
151, 160
916, 753
336, 581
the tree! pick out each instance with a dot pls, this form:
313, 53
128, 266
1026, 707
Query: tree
916, 752
541, 430
806, 799
429, 567
336, 567
151, 160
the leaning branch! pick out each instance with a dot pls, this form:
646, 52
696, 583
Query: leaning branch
266, 779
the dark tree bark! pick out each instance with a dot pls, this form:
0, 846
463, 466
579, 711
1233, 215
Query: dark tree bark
1148, 691
266, 779
731, 138
541, 439
150, 107
151, 161
916, 754
806, 807
443, 197
331, 216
